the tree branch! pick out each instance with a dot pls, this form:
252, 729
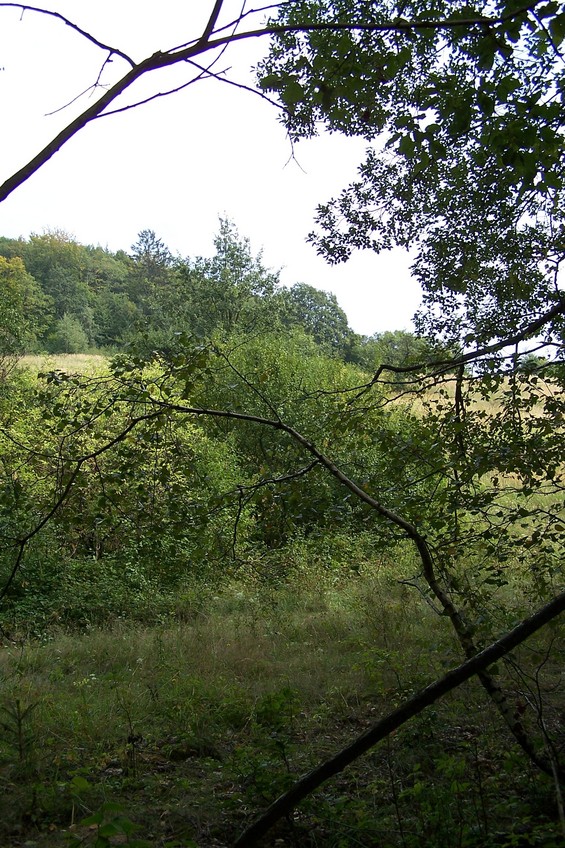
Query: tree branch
203, 73
210, 26
383, 728
74, 127
393, 26
162, 60
441, 365
112, 50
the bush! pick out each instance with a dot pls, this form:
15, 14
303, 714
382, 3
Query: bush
69, 336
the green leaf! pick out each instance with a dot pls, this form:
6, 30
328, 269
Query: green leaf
487, 52
513, 29
271, 82
79, 784
507, 86
407, 146
126, 825
504, 49
111, 807
293, 92
111, 828
547, 10
96, 818
486, 103
557, 28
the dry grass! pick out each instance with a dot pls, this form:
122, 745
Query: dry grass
72, 363
444, 394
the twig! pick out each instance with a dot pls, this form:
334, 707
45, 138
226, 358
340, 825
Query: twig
112, 50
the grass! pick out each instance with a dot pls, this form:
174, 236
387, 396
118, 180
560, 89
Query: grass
193, 726
72, 363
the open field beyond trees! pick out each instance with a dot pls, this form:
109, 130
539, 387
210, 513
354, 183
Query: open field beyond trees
265, 581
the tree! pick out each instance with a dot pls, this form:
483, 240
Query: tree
320, 315
468, 104
151, 255
22, 311
68, 335
106, 271
58, 263
397, 348
117, 317
230, 291
82, 281
466, 169
150, 271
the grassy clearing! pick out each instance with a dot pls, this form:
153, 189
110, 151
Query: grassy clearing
72, 363
195, 725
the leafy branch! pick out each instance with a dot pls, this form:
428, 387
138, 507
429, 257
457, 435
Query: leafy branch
206, 43
23, 542
441, 366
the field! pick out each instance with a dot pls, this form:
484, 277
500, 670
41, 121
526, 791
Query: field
72, 363
186, 729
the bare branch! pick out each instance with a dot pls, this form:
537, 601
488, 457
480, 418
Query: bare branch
151, 97
210, 26
204, 73
92, 87
112, 50
163, 60
73, 128
242, 87
282, 478
236, 22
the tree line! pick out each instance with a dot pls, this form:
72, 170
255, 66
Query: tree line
65, 297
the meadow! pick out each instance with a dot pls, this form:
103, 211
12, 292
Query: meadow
149, 709
177, 733
71, 363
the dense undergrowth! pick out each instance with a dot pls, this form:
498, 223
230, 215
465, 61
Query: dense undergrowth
194, 613
176, 734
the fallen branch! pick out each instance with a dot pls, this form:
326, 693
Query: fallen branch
432, 693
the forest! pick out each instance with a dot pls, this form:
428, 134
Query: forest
64, 297
265, 581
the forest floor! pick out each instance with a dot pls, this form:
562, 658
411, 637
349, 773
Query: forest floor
179, 734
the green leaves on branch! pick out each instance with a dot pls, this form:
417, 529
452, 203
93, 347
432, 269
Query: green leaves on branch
466, 168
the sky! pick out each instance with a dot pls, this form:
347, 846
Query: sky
178, 163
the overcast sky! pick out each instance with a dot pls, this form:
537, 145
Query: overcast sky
176, 164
